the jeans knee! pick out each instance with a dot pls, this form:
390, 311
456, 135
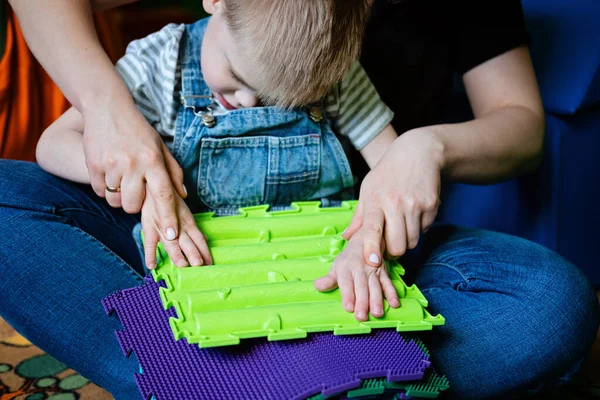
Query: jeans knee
571, 288
546, 313
569, 306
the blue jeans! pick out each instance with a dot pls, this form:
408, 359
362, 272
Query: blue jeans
519, 317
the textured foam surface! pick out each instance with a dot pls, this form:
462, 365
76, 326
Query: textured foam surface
322, 363
261, 283
429, 387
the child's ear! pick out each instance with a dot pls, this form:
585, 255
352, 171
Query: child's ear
210, 6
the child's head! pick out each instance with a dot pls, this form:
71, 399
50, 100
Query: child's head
283, 52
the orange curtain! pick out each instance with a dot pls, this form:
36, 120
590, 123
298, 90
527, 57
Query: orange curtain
29, 99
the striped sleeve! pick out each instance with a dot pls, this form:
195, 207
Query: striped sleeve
356, 109
151, 72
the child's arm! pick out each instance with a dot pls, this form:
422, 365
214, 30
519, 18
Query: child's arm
60, 149
377, 147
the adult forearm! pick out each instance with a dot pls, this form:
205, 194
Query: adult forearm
500, 145
62, 36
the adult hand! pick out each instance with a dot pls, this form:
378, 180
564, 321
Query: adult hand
190, 248
121, 148
362, 286
123, 151
399, 197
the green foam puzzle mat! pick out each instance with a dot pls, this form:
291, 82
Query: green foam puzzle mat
429, 387
261, 283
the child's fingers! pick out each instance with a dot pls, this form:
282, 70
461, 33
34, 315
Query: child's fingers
328, 282
174, 251
200, 242
150, 242
361, 291
375, 295
389, 291
346, 285
189, 249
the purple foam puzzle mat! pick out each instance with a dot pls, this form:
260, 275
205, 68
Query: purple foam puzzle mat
257, 369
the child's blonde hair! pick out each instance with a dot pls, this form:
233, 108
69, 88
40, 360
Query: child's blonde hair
301, 47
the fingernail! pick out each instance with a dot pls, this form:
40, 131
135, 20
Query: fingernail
362, 315
343, 233
185, 190
374, 258
170, 234
378, 311
182, 263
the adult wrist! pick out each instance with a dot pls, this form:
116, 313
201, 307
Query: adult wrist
105, 95
429, 142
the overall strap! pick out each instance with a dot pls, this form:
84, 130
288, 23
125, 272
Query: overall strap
194, 91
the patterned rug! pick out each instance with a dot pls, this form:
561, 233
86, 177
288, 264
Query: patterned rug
26, 372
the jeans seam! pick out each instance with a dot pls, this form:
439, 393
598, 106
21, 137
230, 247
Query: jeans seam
31, 207
452, 267
111, 253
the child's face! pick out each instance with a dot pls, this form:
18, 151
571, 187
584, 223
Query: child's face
225, 70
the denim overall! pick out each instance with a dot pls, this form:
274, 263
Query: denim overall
250, 156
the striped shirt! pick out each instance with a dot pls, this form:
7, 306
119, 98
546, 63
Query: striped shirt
151, 71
